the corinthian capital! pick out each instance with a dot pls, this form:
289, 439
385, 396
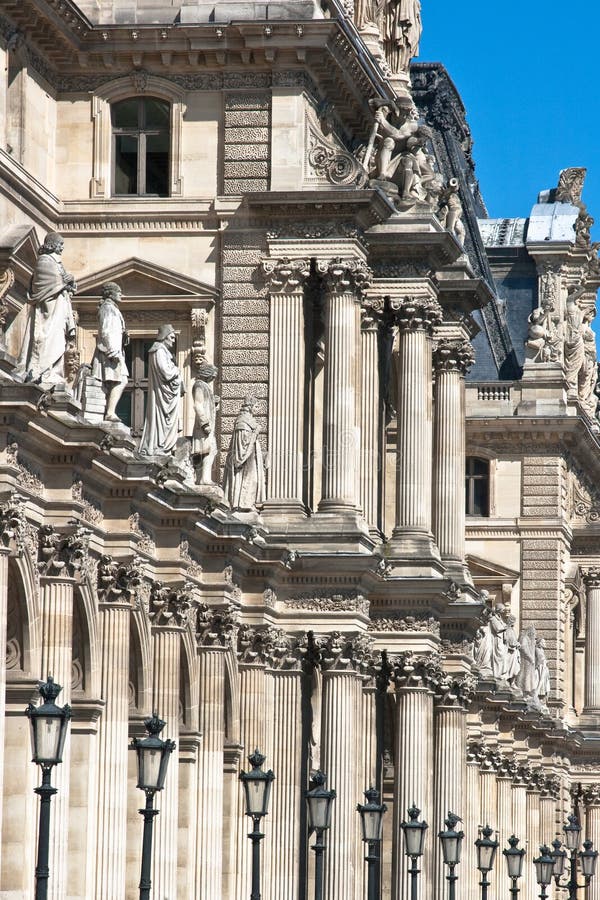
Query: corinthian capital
170, 606
217, 627
12, 524
61, 554
453, 356
416, 313
371, 313
591, 577
285, 276
343, 274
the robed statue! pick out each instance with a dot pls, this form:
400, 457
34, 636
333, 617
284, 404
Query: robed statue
244, 480
108, 362
402, 33
51, 323
165, 387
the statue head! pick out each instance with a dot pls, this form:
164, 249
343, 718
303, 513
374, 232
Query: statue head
207, 372
166, 333
249, 403
111, 291
53, 243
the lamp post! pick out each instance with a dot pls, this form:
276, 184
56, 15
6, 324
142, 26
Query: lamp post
49, 724
451, 841
486, 854
414, 842
319, 802
514, 864
544, 865
559, 857
371, 819
587, 857
257, 792
153, 755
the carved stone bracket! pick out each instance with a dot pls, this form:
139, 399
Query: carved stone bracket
119, 582
171, 606
416, 313
453, 356
285, 275
344, 274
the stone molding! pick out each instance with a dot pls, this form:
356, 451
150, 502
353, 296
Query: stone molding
453, 356
28, 479
171, 607
416, 313
521, 774
285, 275
399, 623
332, 600
344, 275
118, 582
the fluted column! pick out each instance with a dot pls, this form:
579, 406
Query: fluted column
415, 318
114, 611
371, 451
169, 610
452, 360
413, 765
449, 767
339, 760
214, 635
343, 281
282, 879
591, 800
534, 839
592, 643
286, 279
500, 879
469, 873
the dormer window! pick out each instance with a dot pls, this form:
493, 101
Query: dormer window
141, 140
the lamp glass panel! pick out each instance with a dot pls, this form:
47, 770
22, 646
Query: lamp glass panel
485, 857
372, 822
572, 837
451, 850
414, 838
255, 796
149, 763
318, 812
588, 863
48, 734
558, 866
514, 864
544, 871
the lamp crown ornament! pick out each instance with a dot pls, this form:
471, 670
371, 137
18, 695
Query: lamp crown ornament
153, 724
413, 813
256, 759
49, 689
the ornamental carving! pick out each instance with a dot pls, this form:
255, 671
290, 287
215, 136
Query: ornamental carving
590, 794
90, 511
591, 577
28, 479
13, 524
341, 274
327, 159
194, 569
330, 601
416, 313
62, 555
453, 691
217, 627
7, 279
145, 544
285, 275
453, 356
171, 606
570, 186
340, 652
118, 582
371, 313
261, 646
413, 671
401, 623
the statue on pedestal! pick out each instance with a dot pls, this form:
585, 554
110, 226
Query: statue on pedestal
165, 387
537, 345
588, 375
498, 628
402, 33
204, 443
574, 345
244, 480
450, 211
51, 325
108, 363
482, 645
542, 671
513, 651
527, 679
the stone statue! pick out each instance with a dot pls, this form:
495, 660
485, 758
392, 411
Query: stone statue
165, 387
244, 480
526, 679
402, 33
402, 154
574, 353
108, 362
588, 374
542, 672
482, 645
51, 324
513, 651
204, 443
537, 347
498, 627
450, 211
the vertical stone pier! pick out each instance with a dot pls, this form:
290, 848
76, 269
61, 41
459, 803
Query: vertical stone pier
371, 451
591, 706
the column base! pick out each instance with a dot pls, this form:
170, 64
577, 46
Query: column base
457, 570
325, 532
281, 510
589, 719
414, 553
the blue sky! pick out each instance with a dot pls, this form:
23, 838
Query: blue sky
527, 73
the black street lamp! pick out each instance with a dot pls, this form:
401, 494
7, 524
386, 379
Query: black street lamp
486, 854
152, 760
414, 842
451, 841
587, 857
371, 818
319, 802
514, 864
544, 866
559, 857
49, 724
257, 792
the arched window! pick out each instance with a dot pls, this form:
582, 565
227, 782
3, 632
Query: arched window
477, 487
141, 140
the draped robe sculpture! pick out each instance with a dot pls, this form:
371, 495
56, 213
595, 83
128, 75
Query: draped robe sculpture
165, 387
244, 481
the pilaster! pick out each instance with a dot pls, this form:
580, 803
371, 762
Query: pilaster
415, 314
287, 375
371, 450
591, 800
592, 643
452, 360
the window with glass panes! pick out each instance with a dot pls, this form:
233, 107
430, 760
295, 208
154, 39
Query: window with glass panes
131, 408
141, 139
477, 487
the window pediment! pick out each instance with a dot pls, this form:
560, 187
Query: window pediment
143, 282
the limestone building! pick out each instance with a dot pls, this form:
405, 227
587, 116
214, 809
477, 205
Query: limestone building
345, 510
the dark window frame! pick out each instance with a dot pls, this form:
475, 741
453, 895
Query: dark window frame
477, 473
140, 133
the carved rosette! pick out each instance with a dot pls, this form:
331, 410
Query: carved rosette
453, 356
217, 627
285, 276
171, 607
118, 582
371, 313
343, 275
591, 577
416, 313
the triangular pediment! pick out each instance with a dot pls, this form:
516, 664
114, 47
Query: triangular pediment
19, 246
492, 571
143, 281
